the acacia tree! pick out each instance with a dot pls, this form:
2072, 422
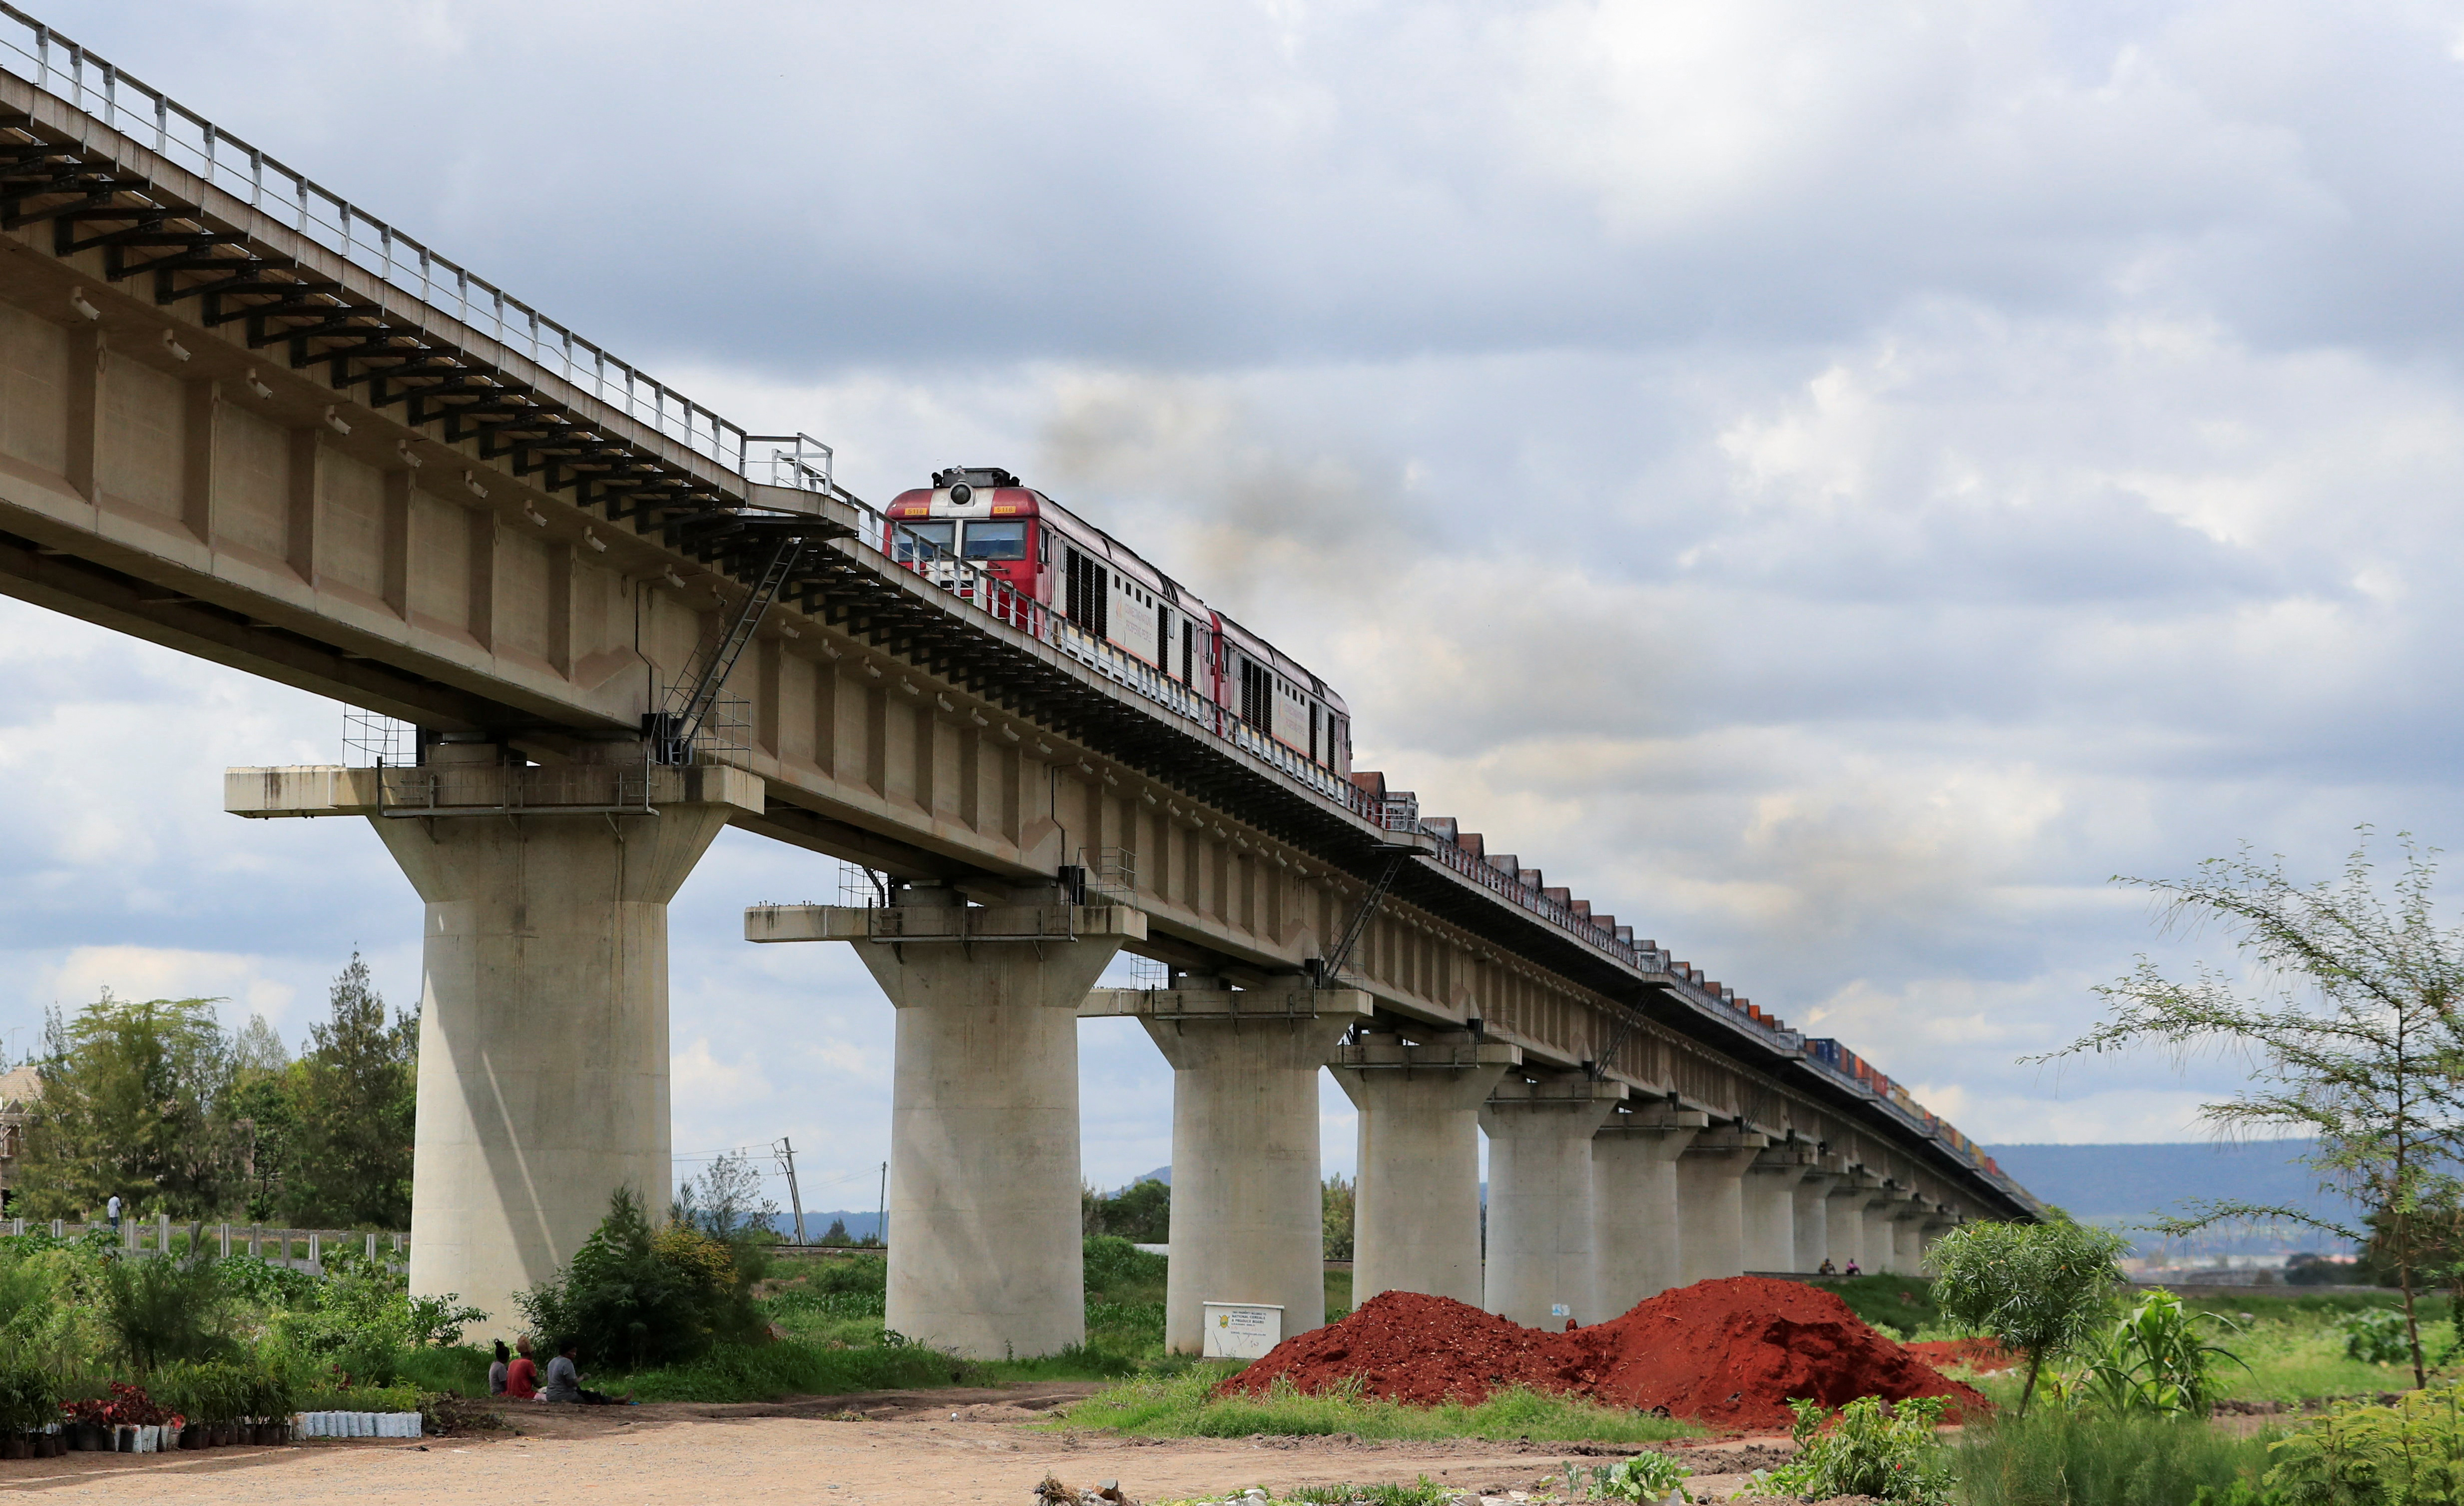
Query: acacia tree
2346, 1016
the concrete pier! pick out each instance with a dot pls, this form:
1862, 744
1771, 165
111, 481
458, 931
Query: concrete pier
1634, 1199
1907, 1237
1767, 1198
1415, 1209
1711, 1202
1855, 1189
1541, 1266
985, 1250
1247, 1203
1813, 1199
543, 991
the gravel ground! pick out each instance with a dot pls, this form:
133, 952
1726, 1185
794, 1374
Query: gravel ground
889, 1449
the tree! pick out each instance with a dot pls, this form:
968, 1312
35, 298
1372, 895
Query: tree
130, 1105
836, 1235
1335, 1203
726, 1201
349, 1154
2349, 1024
264, 1114
2038, 1289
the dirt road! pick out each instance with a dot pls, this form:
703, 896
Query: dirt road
895, 1448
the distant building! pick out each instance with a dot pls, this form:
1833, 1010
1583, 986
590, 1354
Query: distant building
19, 1089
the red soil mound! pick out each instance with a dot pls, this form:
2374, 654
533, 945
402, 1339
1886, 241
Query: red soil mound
1981, 1355
1728, 1354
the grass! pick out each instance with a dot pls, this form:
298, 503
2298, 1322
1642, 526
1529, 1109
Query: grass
765, 1372
2053, 1458
1180, 1406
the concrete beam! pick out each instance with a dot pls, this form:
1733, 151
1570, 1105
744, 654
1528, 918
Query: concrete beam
1416, 1210
1542, 1268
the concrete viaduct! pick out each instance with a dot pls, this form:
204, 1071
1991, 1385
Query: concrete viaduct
241, 417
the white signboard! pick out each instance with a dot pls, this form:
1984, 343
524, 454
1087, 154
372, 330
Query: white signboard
1241, 1330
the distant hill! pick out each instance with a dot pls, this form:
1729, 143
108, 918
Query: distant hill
2118, 1186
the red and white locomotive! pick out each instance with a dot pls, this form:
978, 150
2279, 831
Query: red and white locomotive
986, 518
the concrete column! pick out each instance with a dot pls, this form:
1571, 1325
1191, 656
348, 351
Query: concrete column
1767, 1198
1846, 1217
1541, 1268
1931, 1232
1710, 1202
1634, 1200
985, 1248
1908, 1238
1882, 1230
543, 990
1416, 1210
1247, 1206
1812, 1198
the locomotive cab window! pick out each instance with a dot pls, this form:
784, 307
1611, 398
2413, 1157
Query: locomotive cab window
925, 539
996, 541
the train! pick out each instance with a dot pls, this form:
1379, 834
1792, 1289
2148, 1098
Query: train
984, 519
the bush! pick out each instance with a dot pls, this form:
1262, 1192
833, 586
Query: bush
2055, 1458
2375, 1336
1113, 1262
1888, 1452
164, 1310
359, 1323
2407, 1454
637, 1298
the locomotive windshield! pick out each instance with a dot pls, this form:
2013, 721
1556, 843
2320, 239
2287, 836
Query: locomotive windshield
996, 541
924, 540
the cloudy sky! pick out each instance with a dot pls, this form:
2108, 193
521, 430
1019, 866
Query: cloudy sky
1833, 483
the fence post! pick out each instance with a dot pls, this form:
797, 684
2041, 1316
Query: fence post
372, 1247
316, 1250
59, 1228
226, 1251
163, 1233
256, 1241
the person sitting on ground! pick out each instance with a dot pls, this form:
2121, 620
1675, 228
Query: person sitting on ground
522, 1377
1852, 1266
565, 1379
1826, 1268
497, 1371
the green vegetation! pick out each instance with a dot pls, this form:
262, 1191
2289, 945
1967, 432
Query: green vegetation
636, 1297
1182, 1406
2054, 1457
2350, 1024
1886, 1450
2154, 1360
155, 1103
1645, 1477
2038, 1289
2407, 1454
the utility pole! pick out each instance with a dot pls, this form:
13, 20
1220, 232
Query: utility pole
881, 1222
795, 1199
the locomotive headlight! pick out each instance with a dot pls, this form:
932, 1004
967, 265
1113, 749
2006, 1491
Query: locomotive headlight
961, 494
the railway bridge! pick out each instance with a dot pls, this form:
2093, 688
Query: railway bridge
594, 622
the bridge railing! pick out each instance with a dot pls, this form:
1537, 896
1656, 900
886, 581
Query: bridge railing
50, 61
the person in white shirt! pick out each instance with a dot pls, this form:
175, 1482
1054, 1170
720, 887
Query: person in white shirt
111, 1211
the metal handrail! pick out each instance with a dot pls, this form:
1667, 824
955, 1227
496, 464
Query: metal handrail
125, 103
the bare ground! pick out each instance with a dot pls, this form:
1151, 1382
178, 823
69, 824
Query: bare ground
881, 1449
